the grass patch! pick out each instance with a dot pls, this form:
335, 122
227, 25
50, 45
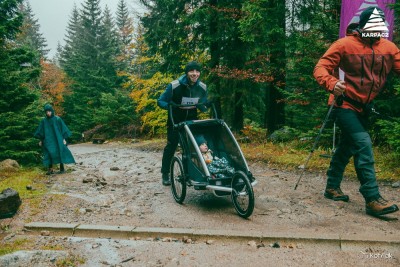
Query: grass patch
288, 156
284, 156
387, 165
156, 144
30, 183
16, 245
70, 261
21, 179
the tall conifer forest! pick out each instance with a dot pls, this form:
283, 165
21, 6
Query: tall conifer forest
257, 60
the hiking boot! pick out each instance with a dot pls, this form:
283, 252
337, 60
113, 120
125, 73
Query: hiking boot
50, 172
165, 179
380, 206
62, 169
336, 194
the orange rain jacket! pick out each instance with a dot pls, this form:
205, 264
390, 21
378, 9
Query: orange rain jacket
365, 67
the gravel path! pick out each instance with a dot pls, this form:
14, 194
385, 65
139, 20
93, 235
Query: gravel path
120, 184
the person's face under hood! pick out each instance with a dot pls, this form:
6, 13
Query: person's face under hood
49, 111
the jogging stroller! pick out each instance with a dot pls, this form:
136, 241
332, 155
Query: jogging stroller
189, 168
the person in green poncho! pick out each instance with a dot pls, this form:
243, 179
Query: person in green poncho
52, 133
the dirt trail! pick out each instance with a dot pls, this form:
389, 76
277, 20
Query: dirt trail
120, 184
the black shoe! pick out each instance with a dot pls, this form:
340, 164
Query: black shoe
165, 179
380, 207
50, 172
336, 195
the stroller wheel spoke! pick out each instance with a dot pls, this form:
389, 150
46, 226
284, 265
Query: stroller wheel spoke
242, 194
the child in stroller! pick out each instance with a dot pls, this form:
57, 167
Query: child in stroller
205, 151
218, 167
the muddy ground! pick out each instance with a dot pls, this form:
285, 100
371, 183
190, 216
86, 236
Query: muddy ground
120, 184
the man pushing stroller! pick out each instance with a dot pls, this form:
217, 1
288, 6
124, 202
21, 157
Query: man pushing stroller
188, 89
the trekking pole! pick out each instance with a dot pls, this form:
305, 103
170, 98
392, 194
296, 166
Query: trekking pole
316, 141
334, 138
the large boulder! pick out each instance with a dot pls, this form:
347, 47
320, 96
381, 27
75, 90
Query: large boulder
9, 203
9, 165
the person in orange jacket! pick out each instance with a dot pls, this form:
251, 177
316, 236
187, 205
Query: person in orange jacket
364, 59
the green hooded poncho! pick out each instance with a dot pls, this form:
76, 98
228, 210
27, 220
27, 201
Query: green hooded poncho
52, 131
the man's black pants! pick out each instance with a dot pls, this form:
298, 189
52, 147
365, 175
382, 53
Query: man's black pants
169, 150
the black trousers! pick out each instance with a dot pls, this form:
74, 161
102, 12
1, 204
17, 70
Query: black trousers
170, 148
354, 142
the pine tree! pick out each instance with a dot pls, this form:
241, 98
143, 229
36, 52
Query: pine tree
68, 57
125, 36
18, 109
30, 34
125, 24
173, 44
89, 60
141, 62
109, 49
80, 60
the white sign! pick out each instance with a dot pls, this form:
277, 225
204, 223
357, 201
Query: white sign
190, 100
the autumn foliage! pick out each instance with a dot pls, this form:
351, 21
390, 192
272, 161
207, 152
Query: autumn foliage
53, 85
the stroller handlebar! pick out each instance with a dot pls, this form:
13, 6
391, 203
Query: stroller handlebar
207, 105
173, 104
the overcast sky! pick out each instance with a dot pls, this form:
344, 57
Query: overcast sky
53, 16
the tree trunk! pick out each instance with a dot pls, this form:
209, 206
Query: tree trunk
215, 56
274, 117
237, 122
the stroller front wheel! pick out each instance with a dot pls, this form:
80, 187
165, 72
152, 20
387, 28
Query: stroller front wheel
178, 180
242, 194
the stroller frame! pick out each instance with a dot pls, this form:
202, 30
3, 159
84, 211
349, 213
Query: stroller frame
190, 169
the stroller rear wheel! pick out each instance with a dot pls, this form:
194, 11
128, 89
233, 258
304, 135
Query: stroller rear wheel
242, 194
178, 180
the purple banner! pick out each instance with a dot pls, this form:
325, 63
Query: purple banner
351, 10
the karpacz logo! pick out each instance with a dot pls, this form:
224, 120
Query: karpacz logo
376, 26
375, 34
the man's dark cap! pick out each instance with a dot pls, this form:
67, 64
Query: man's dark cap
193, 65
366, 14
